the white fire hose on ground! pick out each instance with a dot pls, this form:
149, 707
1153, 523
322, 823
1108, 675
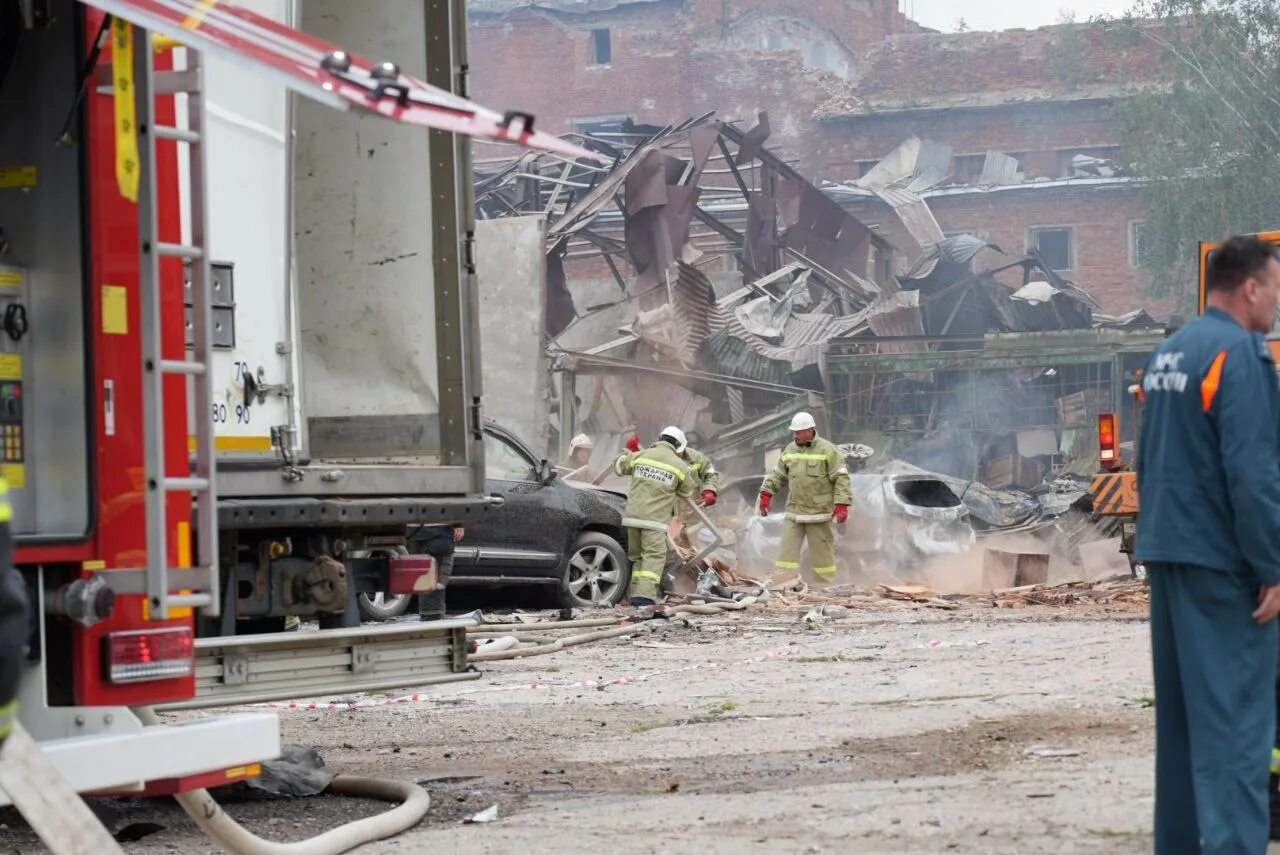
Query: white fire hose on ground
232, 836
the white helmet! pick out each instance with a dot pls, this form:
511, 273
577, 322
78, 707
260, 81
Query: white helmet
580, 441
676, 434
803, 421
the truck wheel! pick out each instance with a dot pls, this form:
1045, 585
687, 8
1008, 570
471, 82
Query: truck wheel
382, 606
597, 573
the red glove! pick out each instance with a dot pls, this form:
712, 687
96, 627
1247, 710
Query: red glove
708, 498
766, 501
633, 444
842, 514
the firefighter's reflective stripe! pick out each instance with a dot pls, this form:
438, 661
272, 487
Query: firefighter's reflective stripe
795, 455
1115, 493
646, 574
657, 464
8, 715
808, 518
6, 509
825, 571
1275, 761
127, 164
787, 565
1212, 380
636, 522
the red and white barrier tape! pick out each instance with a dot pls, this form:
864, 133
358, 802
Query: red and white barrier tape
419, 697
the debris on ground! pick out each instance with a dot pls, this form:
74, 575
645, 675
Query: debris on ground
489, 814
299, 771
1046, 751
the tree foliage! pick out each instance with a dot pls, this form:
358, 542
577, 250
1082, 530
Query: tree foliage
1206, 141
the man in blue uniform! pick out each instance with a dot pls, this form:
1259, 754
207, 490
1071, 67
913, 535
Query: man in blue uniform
1209, 532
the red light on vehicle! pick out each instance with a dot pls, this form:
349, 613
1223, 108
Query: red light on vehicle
1107, 441
150, 654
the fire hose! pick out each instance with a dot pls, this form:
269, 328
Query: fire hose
622, 628
232, 836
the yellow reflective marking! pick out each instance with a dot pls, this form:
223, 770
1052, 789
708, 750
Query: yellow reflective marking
787, 565
798, 456
10, 366
127, 164
196, 18
15, 474
17, 176
825, 571
250, 771
115, 310
97, 564
6, 512
235, 443
161, 43
657, 464
184, 544
10, 278
8, 713
646, 574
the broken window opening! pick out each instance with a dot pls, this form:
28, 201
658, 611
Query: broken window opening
601, 47
1137, 244
1056, 247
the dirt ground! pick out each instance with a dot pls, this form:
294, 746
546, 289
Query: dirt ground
906, 729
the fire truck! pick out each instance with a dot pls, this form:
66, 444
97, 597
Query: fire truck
1115, 488
112, 300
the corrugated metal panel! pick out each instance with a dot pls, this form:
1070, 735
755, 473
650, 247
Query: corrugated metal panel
915, 215
1000, 169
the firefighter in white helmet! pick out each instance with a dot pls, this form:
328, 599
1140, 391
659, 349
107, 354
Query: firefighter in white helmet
579, 456
819, 495
660, 480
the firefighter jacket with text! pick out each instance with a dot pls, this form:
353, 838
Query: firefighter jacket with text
817, 477
660, 479
1209, 451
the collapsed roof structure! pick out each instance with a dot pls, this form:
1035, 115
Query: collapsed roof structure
700, 279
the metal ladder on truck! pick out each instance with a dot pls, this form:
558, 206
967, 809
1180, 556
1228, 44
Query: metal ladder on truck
199, 585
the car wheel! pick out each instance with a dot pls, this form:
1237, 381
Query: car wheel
382, 606
597, 573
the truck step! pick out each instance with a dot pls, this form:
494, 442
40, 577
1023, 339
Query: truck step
248, 669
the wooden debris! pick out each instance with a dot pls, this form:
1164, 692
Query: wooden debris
913, 592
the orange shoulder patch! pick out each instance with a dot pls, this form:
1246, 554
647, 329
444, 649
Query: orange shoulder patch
1212, 380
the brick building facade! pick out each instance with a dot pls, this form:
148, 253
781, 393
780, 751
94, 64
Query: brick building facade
844, 82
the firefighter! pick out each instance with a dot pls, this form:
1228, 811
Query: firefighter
660, 478
437, 541
579, 456
820, 493
14, 625
1208, 457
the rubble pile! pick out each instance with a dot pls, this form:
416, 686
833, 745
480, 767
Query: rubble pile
698, 279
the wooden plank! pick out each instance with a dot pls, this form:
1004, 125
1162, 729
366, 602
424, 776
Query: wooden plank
46, 801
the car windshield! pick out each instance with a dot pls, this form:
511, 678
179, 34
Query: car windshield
502, 462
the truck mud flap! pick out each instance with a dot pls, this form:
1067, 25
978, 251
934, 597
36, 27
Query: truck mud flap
1115, 494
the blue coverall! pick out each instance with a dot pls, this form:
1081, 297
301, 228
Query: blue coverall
1209, 532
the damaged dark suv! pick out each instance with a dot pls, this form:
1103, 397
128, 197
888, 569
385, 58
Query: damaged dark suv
551, 533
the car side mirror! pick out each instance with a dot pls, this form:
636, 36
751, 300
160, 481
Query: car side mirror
546, 472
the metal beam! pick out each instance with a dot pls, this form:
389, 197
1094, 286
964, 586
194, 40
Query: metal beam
581, 359
719, 226
983, 360
733, 168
